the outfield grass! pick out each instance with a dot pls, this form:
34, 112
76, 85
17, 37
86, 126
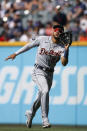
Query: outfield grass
39, 128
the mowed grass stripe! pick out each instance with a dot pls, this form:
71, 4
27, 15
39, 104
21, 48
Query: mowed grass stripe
39, 128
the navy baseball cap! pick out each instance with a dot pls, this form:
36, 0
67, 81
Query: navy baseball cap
57, 26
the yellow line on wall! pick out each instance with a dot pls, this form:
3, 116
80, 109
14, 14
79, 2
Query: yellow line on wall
77, 43
12, 43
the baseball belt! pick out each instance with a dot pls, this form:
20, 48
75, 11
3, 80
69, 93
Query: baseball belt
44, 68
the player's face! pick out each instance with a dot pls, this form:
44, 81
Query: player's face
56, 32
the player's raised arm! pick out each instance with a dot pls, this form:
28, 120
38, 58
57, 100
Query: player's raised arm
23, 49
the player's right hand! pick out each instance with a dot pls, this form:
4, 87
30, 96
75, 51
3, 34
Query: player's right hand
11, 57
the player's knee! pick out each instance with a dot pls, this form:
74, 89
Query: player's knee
45, 91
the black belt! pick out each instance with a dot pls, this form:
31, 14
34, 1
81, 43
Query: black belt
43, 68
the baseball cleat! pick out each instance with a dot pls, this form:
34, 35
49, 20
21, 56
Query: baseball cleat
28, 114
46, 125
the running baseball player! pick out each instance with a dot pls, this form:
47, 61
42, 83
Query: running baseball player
50, 51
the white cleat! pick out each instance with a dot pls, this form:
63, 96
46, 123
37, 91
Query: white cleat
46, 124
28, 114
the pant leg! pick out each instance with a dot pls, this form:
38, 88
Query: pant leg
36, 104
44, 84
44, 89
43, 95
49, 80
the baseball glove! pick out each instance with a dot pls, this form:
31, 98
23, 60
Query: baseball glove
66, 38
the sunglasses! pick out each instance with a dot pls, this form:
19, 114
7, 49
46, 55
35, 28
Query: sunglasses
57, 30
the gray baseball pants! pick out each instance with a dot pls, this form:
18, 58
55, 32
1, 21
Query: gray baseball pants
44, 81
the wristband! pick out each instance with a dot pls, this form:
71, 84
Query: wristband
66, 53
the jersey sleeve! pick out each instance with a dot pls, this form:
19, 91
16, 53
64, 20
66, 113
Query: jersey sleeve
28, 46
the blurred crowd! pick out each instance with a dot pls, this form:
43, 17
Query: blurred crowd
22, 20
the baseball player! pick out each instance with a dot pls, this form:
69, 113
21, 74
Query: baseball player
49, 52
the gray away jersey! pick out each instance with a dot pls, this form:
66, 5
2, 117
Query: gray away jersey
48, 53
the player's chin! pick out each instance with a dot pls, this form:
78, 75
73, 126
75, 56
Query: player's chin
56, 36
